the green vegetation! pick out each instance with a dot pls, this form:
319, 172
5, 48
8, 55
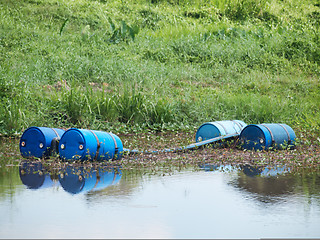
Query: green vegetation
163, 65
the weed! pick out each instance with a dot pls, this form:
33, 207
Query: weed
123, 32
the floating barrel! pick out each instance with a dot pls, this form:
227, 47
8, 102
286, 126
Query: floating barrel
219, 128
39, 141
83, 144
267, 136
76, 180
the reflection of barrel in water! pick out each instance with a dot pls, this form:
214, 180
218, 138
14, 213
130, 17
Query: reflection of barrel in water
209, 167
76, 180
265, 171
268, 187
34, 176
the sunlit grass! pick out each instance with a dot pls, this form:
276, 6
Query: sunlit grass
161, 65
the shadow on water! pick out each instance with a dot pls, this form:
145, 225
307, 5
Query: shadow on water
72, 179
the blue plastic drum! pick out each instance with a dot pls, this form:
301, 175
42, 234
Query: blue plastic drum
83, 144
267, 136
37, 141
219, 128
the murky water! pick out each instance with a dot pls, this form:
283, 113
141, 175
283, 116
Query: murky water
214, 202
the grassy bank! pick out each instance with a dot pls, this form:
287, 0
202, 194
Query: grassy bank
130, 66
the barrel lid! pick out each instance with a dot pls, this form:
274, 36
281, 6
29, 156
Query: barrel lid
253, 137
72, 144
207, 131
33, 143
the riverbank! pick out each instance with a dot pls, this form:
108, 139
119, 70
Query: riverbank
304, 158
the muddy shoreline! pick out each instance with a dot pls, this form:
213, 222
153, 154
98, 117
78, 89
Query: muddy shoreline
305, 157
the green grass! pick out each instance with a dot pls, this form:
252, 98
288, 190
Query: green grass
160, 65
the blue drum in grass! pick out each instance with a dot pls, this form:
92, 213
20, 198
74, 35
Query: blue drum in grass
39, 141
84, 144
80, 180
267, 136
219, 128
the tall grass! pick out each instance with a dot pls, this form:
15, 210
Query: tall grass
163, 65
96, 107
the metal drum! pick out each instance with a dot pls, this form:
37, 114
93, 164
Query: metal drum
84, 144
219, 128
267, 136
39, 141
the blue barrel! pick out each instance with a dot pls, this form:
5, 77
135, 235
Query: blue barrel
39, 141
267, 136
219, 128
79, 180
84, 144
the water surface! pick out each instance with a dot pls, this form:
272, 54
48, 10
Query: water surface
213, 202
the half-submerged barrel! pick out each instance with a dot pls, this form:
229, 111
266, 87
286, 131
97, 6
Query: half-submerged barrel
84, 144
39, 141
227, 128
267, 136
